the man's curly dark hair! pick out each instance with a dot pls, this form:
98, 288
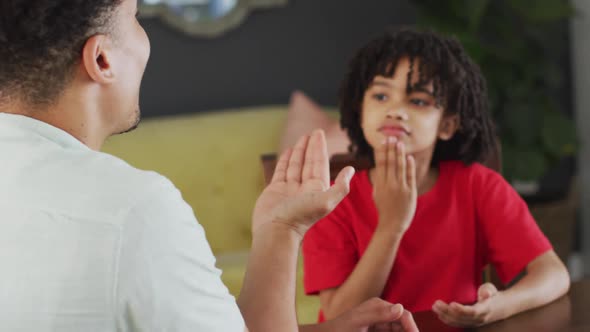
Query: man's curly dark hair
41, 41
459, 87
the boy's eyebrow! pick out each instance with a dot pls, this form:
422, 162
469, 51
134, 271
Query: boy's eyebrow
421, 89
381, 83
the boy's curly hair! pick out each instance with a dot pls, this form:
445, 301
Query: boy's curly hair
41, 40
459, 87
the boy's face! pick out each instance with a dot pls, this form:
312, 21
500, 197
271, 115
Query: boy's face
414, 118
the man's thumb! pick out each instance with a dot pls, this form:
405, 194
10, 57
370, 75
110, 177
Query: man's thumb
341, 186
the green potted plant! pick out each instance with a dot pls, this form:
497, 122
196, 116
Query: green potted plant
518, 45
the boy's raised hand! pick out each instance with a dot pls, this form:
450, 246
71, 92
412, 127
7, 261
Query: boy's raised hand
395, 191
299, 193
485, 311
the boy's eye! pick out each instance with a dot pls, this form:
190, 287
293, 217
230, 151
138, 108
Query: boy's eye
380, 97
419, 102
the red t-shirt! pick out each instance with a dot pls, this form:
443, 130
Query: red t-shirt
471, 217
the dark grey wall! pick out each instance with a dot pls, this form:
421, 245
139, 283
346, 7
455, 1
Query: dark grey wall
304, 45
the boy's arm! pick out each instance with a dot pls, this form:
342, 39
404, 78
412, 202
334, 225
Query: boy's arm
395, 195
546, 279
513, 241
368, 278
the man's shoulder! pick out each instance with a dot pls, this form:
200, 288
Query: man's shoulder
118, 177
115, 169
94, 183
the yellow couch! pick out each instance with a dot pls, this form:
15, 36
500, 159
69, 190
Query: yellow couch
214, 159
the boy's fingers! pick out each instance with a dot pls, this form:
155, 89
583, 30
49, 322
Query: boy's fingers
440, 306
447, 316
458, 310
380, 162
400, 150
486, 291
391, 160
411, 173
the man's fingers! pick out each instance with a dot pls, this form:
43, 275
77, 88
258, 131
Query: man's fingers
318, 152
376, 311
382, 327
296, 160
308, 162
408, 323
381, 315
280, 174
340, 189
396, 327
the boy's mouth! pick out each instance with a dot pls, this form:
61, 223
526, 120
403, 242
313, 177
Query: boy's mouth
392, 130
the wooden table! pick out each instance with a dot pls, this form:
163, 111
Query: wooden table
570, 313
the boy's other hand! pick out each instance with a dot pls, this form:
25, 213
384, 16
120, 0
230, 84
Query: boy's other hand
299, 193
395, 191
485, 311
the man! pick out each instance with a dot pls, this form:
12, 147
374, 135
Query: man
90, 243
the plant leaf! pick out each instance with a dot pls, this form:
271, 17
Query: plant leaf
523, 162
558, 133
542, 10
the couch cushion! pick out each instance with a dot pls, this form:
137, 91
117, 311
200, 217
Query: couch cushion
305, 115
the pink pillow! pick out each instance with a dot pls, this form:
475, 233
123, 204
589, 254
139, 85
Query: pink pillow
304, 116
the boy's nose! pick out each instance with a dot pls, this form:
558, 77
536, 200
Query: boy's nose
398, 113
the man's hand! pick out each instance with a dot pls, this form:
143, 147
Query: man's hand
485, 311
374, 315
395, 191
299, 193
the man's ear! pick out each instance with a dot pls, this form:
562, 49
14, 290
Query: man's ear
448, 127
96, 59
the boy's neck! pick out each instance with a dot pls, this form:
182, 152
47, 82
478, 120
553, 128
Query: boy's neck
426, 175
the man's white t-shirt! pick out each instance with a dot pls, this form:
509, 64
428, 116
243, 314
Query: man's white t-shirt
89, 243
